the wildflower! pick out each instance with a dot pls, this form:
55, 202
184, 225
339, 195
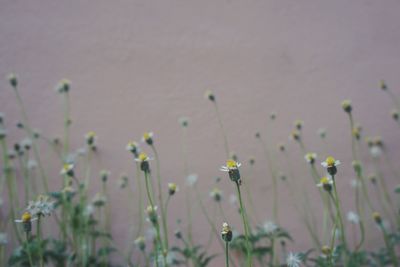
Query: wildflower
326, 183
184, 122
91, 139
257, 135
310, 158
191, 179
152, 213
232, 167
322, 133
293, 260
226, 232
172, 188
346, 105
148, 138
353, 217
3, 239
383, 85
26, 220
133, 148
41, 207
89, 210
68, 170
375, 151
209, 95
13, 80
395, 114
104, 174
143, 159
298, 124
252, 161
178, 234
99, 200
295, 135
140, 243
63, 86
330, 164
377, 218
216, 194
272, 116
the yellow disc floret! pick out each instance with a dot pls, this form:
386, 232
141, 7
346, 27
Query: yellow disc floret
143, 157
231, 164
330, 161
146, 136
26, 217
325, 180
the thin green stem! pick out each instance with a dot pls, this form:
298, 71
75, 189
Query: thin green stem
245, 226
226, 254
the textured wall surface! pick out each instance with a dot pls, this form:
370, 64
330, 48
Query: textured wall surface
140, 65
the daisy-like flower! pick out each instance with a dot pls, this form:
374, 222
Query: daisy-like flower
377, 218
293, 260
356, 132
232, 167
310, 157
375, 151
191, 179
91, 138
63, 86
270, 227
26, 220
148, 138
353, 217
143, 159
32, 164
140, 243
133, 147
330, 164
295, 135
226, 232
172, 188
216, 194
326, 183
67, 169
272, 115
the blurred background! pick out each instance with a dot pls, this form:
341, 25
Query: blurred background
139, 66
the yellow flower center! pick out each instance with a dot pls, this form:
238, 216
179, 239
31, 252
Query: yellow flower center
225, 228
91, 134
172, 186
143, 157
324, 180
146, 136
67, 167
231, 164
330, 161
26, 217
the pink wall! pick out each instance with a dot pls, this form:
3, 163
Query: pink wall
140, 65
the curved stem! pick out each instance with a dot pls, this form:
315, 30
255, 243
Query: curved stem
245, 226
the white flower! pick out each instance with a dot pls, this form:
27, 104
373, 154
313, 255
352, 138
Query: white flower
32, 164
143, 157
230, 165
310, 157
147, 136
132, 146
66, 169
191, 179
293, 260
330, 162
326, 180
3, 239
270, 227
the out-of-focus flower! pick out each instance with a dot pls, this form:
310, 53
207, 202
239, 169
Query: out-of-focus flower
310, 157
216, 194
293, 260
191, 179
148, 138
326, 183
270, 227
353, 217
172, 188
226, 232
